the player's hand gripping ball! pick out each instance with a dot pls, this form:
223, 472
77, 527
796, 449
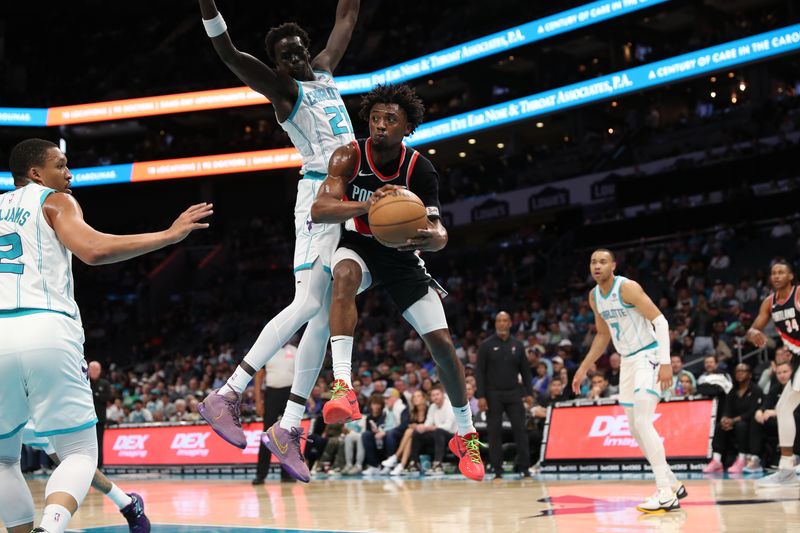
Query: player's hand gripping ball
396, 217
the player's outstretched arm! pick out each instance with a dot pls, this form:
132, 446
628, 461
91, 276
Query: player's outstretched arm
599, 345
92, 247
756, 332
247, 68
346, 17
330, 206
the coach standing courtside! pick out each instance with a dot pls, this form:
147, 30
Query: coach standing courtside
278, 374
101, 394
501, 362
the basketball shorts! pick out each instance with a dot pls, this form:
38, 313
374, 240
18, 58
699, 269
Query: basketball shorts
43, 375
312, 240
402, 275
29, 438
638, 374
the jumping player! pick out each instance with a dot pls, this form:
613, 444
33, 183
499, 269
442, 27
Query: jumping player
641, 335
43, 375
783, 307
310, 109
130, 505
362, 172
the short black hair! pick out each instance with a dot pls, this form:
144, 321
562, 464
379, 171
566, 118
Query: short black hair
606, 250
287, 29
27, 154
783, 262
402, 95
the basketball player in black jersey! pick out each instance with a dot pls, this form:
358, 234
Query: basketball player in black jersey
783, 307
358, 175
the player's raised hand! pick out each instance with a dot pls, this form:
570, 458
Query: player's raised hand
580, 375
189, 220
665, 377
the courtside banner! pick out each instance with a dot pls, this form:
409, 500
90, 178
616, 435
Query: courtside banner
180, 445
600, 432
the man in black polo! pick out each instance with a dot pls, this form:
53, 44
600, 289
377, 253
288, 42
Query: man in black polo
102, 394
501, 362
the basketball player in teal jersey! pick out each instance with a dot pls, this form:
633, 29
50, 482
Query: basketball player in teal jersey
310, 109
641, 334
43, 375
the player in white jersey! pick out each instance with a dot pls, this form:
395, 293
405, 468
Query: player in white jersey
43, 375
626, 316
310, 109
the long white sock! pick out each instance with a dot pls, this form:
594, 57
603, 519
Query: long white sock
342, 354
644, 407
292, 415
464, 419
118, 496
55, 518
238, 381
311, 351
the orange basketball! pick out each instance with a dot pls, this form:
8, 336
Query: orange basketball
396, 217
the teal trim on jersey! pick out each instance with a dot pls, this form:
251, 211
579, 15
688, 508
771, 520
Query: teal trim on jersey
327, 269
626, 404
613, 286
311, 175
304, 266
650, 346
323, 72
13, 431
19, 278
295, 126
13, 313
651, 391
45, 194
67, 430
297, 102
36, 445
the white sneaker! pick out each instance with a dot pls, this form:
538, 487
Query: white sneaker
398, 470
390, 462
663, 500
753, 466
372, 471
781, 478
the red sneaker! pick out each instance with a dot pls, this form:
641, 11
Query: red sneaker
343, 405
468, 450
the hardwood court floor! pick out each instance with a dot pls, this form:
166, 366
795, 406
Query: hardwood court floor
445, 505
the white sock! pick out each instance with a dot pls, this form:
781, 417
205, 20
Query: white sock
661, 473
342, 355
119, 497
464, 419
238, 381
292, 415
786, 462
55, 518
673, 480
717, 457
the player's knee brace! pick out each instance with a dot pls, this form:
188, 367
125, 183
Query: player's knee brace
786, 423
78, 453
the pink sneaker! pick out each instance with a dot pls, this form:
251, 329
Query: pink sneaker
713, 466
737, 467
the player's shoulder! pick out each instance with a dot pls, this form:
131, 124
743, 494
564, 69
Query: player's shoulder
420, 162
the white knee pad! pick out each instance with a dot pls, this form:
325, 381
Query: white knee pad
78, 454
785, 408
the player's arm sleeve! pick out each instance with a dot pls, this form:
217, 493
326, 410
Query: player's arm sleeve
424, 182
662, 336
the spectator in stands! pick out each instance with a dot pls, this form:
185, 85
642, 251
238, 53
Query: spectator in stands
333, 456
676, 361
401, 462
376, 420
437, 430
764, 432
139, 415
768, 379
599, 387
541, 379
115, 414
733, 429
354, 445
612, 373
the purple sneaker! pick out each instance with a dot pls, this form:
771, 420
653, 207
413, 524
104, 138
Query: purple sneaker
285, 445
134, 514
221, 411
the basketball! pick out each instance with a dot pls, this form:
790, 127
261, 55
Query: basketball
396, 217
